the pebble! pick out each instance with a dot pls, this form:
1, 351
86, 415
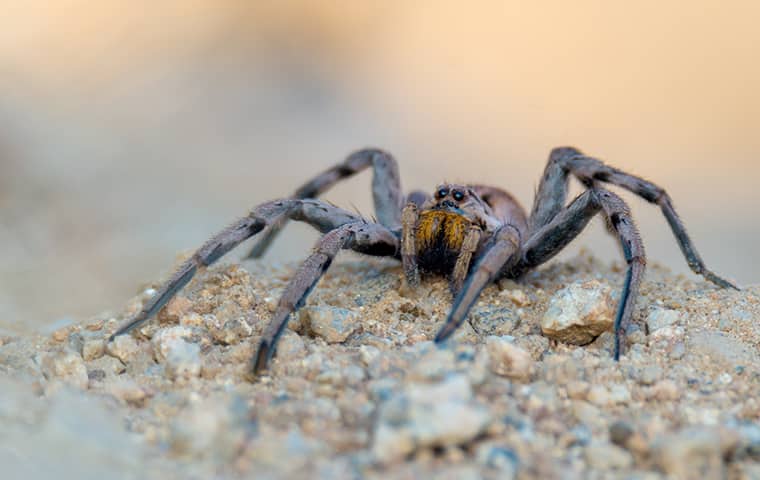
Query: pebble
579, 313
123, 347
666, 390
507, 359
232, 332
428, 415
695, 452
334, 325
518, 297
662, 317
491, 320
649, 374
66, 366
165, 339
93, 348
182, 360
127, 390
498, 459
607, 456
599, 395
213, 428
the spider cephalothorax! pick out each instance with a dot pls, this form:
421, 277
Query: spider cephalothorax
473, 234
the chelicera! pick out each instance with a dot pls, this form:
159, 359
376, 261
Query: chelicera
473, 234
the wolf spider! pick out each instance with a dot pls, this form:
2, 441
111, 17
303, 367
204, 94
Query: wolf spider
475, 234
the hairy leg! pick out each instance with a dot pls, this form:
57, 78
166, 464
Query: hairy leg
568, 223
499, 253
322, 216
408, 244
386, 191
368, 238
462, 265
552, 194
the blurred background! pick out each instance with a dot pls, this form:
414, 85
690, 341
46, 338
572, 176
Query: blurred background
129, 133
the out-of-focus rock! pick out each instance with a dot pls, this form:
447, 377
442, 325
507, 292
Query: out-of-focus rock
65, 366
507, 359
427, 415
335, 325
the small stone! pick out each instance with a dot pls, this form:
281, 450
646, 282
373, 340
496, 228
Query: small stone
577, 389
110, 366
579, 313
182, 359
650, 374
677, 351
232, 332
123, 347
368, 354
662, 317
621, 432
127, 390
695, 452
606, 456
434, 363
491, 320
93, 348
666, 390
164, 340
213, 428
587, 414
624, 435
61, 334
498, 458
335, 325
66, 366
619, 394
518, 297
507, 359
427, 415
599, 395
290, 345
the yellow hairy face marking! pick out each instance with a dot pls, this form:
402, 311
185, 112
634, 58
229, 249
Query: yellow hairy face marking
439, 226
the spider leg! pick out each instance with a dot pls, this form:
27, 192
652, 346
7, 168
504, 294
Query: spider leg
368, 238
386, 191
462, 265
499, 254
552, 193
569, 222
408, 244
322, 216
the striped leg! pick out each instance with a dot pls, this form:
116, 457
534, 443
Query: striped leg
386, 191
368, 238
322, 216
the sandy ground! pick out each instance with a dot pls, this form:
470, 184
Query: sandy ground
358, 390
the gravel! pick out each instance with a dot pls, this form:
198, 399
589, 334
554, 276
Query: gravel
358, 389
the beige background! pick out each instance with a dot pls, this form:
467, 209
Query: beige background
130, 133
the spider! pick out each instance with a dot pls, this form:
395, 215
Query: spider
474, 234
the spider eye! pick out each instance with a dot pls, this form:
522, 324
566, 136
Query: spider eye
458, 196
441, 193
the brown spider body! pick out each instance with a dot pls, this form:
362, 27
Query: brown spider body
473, 234
439, 236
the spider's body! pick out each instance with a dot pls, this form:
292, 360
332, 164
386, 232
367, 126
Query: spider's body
473, 234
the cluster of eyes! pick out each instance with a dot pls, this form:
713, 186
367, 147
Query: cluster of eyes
458, 195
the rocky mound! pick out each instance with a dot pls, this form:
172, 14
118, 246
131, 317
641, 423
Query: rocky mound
357, 389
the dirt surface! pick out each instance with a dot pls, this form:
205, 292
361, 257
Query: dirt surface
358, 390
